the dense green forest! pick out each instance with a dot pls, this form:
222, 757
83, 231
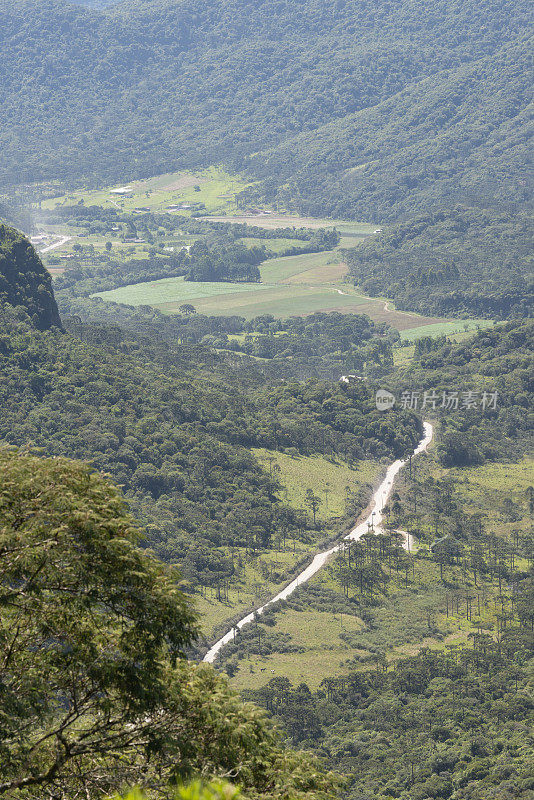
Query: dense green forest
439, 141
96, 691
495, 360
357, 110
171, 408
452, 263
24, 282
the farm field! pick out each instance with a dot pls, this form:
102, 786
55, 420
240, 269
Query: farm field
172, 292
244, 299
292, 285
214, 188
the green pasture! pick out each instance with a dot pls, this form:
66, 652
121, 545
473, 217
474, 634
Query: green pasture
173, 291
486, 489
227, 299
260, 576
277, 270
281, 301
331, 480
293, 286
445, 328
251, 588
217, 191
285, 292
326, 653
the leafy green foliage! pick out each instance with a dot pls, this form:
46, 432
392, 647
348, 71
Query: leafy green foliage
94, 692
495, 359
197, 790
224, 263
24, 281
87, 622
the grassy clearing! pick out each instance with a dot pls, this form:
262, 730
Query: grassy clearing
282, 301
293, 285
402, 356
326, 653
254, 585
173, 291
217, 191
486, 489
335, 643
333, 272
280, 270
330, 480
445, 328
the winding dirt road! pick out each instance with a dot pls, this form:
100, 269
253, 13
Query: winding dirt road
380, 499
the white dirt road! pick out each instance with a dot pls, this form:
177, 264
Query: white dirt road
380, 499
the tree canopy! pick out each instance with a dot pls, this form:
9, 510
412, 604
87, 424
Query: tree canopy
361, 110
95, 689
24, 281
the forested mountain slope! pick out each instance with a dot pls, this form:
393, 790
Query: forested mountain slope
146, 86
459, 135
24, 281
466, 261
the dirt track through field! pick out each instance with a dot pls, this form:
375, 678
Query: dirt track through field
373, 521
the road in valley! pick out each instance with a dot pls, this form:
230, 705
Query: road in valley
380, 499
61, 241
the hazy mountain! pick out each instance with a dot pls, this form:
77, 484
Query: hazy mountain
435, 93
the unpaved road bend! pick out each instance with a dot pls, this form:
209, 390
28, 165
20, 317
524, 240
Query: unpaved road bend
61, 241
379, 500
